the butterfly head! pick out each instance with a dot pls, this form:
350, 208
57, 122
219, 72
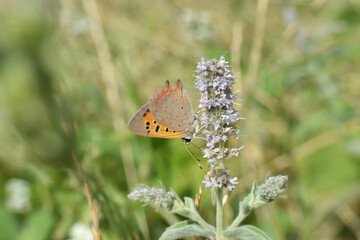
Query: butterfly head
193, 130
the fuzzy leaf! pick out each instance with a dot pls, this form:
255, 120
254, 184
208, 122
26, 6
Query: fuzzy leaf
246, 232
185, 229
189, 203
187, 210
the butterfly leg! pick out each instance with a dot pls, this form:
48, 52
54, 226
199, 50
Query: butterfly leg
193, 156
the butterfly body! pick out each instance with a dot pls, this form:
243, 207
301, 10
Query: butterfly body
168, 114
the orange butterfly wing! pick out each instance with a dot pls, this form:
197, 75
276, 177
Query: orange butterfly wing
172, 107
144, 124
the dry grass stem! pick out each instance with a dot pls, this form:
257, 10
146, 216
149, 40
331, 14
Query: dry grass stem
225, 198
236, 44
95, 212
255, 55
349, 218
112, 86
94, 207
197, 199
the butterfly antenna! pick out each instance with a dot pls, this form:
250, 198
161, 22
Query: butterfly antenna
202, 138
198, 147
193, 156
202, 127
197, 109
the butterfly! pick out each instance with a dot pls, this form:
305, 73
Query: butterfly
168, 114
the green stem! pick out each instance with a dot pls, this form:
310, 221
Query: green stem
243, 213
219, 213
188, 210
203, 223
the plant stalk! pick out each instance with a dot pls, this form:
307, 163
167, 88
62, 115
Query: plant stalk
203, 223
219, 213
243, 213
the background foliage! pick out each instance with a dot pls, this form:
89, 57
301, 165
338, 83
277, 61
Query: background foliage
72, 73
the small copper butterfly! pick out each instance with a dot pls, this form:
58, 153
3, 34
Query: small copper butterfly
168, 114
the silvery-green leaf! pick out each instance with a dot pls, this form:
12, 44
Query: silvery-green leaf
187, 210
185, 229
183, 209
189, 203
246, 232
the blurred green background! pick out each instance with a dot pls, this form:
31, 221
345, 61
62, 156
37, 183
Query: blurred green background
72, 73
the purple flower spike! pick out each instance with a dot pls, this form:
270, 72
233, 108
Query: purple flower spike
218, 116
